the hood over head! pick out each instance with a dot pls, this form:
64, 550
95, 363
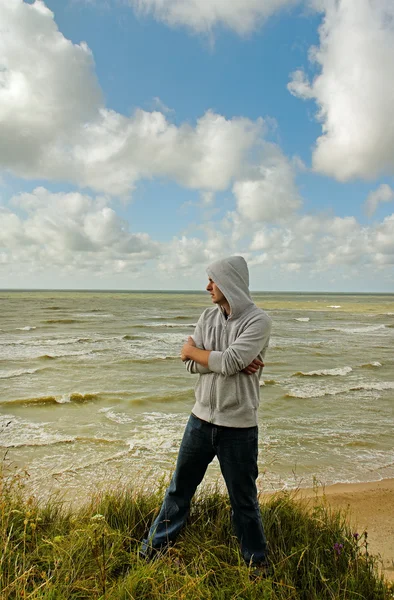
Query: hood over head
231, 275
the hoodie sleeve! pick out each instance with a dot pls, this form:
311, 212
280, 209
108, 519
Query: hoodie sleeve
252, 342
191, 365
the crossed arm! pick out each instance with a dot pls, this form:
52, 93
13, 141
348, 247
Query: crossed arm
189, 351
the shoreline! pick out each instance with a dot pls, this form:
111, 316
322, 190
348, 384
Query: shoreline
369, 507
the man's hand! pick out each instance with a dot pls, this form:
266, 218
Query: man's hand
254, 366
186, 348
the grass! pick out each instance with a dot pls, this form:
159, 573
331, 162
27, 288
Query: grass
51, 553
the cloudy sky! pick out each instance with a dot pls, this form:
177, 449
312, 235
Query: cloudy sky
142, 139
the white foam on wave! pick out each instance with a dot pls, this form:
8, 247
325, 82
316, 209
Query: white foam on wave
367, 329
318, 392
334, 306
27, 328
341, 371
63, 399
161, 345
120, 418
16, 432
372, 364
302, 319
159, 437
93, 463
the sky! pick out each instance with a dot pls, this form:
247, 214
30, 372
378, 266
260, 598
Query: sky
141, 140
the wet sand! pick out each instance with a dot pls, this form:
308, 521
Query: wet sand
370, 507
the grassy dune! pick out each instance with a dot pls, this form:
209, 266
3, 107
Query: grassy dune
92, 553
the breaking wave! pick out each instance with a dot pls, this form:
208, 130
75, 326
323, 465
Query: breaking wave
341, 371
314, 392
61, 399
116, 417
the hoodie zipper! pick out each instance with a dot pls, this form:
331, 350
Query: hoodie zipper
215, 376
211, 402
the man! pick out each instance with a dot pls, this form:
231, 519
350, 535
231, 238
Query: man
226, 351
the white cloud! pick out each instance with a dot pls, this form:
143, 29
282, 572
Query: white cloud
116, 151
354, 90
79, 236
71, 231
383, 240
321, 244
384, 193
269, 192
182, 255
242, 16
53, 124
48, 86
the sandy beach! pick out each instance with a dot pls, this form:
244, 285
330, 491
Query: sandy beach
371, 508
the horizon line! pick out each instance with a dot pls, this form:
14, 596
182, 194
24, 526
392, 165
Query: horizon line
197, 291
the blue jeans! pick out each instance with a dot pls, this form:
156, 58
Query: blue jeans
236, 449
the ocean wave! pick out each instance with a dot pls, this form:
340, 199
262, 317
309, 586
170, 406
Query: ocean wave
92, 463
334, 306
268, 382
27, 328
47, 342
341, 371
372, 364
16, 432
314, 392
289, 343
17, 373
61, 399
62, 321
166, 324
45, 439
120, 418
302, 319
95, 314
175, 318
149, 360
366, 329
171, 396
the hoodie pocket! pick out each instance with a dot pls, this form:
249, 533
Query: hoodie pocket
202, 389
227, 392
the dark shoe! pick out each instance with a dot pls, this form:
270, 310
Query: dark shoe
263, 571
148, 553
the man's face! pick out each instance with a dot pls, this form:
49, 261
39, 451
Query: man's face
216, 294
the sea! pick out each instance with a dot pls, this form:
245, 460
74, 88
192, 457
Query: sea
93, 394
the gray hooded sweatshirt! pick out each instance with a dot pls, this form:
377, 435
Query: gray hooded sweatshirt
224, 395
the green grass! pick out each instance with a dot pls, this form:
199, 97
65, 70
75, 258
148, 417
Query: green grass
51, 553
